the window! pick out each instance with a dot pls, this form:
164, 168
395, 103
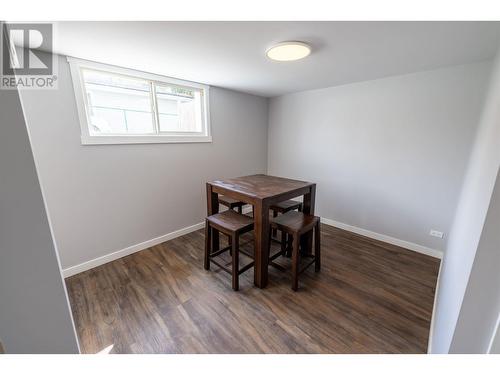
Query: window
118, 105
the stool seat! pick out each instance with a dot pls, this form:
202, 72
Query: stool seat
231, 222
294, 221
230, 202
281, 208
286, 206
227, 200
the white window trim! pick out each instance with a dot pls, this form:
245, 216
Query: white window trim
76, 65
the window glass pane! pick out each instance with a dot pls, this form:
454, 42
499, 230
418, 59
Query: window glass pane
118, 104
179, 109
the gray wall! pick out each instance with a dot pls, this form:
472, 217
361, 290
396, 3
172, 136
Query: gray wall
388, 155
481, 304
34, 312
495, 344
105, 198
469, 219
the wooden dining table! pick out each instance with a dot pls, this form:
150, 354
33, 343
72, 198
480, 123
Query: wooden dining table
261, 191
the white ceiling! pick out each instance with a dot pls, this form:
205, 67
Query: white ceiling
232, 54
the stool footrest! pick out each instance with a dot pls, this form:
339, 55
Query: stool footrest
279, 253
277, 266
228, 270
249, 265
224, 268
219, 252
281, 268
250, 255
309, 264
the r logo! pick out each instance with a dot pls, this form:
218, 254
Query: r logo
34, 38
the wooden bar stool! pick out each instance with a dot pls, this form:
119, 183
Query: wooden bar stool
231, 203
281, 208
285, 206
295, 224
233, 225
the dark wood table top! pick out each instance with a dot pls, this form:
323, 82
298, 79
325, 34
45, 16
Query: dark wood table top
261, 186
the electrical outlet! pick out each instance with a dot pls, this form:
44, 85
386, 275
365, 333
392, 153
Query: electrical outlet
436, 233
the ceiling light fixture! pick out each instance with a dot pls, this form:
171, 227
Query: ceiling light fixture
288, 51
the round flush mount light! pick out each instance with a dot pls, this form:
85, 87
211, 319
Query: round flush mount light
288, 51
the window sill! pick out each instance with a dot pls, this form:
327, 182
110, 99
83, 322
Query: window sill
142, 139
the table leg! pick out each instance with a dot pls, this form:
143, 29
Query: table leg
308, 208
213, 208
261, 233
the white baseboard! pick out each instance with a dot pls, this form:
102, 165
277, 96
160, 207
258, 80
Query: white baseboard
70, 271
384, 238
433, 316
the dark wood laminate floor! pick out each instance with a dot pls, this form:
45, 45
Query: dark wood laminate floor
370, 297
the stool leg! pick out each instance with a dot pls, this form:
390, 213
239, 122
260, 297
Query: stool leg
317, 247
274, 230
240, 209
289, 240
269, 254
230, 243
283, 242
208, 245
295, 262
235, 258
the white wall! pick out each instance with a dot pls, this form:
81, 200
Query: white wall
34, 312
105, 198
469, 220
481, 304
389, 155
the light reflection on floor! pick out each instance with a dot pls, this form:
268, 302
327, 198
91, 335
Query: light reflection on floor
106, 350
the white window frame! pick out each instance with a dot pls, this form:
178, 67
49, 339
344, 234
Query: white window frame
76, 67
